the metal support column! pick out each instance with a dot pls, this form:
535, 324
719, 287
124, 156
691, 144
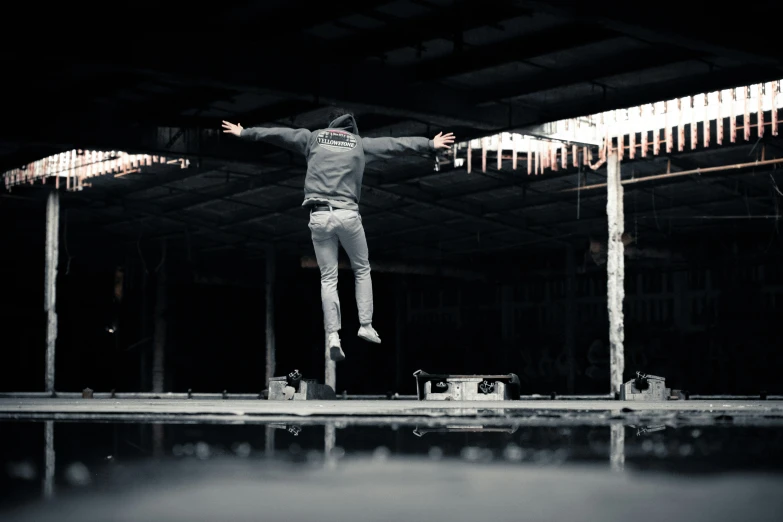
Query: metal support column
270, 314
615, 271
50, 284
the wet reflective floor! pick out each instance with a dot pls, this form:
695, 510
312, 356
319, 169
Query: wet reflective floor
422, 470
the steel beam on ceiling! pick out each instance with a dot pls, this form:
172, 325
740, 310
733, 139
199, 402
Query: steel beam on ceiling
665, 24
555, 198
632, 62
162, 117
303, 232
357, 85
692, 206
715, 80
89, 132
293, 16
399, 211
155, 108
152, 181
145, 209
517, 49
202, 197
681, 164
459, 208
444, 22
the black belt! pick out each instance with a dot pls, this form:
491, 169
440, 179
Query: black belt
320, 208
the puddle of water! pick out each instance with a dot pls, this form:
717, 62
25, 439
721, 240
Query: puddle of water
343, 471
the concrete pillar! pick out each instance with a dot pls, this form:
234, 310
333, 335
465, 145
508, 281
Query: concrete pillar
615, 271
270, 314
50, 283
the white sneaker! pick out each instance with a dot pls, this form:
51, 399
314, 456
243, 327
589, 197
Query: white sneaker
335, 350
369, 334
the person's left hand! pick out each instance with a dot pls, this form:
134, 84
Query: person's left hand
230, 128
443, 141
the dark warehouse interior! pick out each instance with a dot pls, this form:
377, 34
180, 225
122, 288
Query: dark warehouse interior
611, 205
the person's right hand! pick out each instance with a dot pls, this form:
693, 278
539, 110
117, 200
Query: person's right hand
230, 128
443, 141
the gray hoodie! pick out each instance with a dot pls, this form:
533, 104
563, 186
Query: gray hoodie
336, 157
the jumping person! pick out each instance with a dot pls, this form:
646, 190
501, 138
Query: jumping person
336, 157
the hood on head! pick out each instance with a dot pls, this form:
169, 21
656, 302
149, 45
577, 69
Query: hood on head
345, 122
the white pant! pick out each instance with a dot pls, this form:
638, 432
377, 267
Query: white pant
330, 228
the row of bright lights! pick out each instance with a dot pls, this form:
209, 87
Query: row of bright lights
78, 165
593, 129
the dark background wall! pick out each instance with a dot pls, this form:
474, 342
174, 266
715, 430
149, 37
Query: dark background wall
708, 324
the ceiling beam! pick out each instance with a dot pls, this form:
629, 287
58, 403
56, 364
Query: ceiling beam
635, 61
114, 129
363, 89
91, 131
715, 80
459, 209
517, 49
245, 66
145, 209
293, 16
716, 182
668, 23
172, 27
160, 115
155, 108
446, 22
226, 191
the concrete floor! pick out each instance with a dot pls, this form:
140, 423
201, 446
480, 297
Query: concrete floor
359, 488
369, 490
241, 410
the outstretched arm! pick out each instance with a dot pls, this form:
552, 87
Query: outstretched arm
385, 148
295, 140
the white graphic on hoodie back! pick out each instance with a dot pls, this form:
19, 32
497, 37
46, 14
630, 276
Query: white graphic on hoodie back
336, 139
